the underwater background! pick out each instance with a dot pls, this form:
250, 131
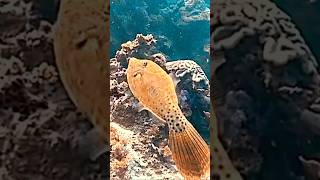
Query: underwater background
182, 31
306, 15
40, 123
181, 27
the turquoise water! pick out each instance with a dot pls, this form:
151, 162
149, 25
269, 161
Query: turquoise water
181, 27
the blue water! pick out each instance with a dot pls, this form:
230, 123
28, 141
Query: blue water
181, 27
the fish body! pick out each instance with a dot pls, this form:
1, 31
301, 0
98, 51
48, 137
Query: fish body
81, 51
222, 167
155, 90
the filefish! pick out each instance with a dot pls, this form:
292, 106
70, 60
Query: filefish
155, 90
81, 51
222, 167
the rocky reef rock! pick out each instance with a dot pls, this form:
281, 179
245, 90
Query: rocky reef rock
139, 140
270, 82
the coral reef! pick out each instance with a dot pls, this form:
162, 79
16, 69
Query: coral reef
270, 80
174, 23
138, 139
39, 126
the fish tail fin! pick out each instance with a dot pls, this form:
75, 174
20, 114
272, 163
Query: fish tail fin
189, 151
221, 165
223, 168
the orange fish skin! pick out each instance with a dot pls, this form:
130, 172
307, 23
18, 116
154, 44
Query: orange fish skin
155, 90
81, 50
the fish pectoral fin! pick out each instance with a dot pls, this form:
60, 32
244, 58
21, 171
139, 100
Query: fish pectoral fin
174, 79
156, 117
141, 107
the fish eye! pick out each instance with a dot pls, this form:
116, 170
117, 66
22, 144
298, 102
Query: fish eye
145, 64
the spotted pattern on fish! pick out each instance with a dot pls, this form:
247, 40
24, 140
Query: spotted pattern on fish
81, 51
155, 90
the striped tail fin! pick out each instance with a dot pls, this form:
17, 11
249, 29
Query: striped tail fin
222, 167
190, 152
